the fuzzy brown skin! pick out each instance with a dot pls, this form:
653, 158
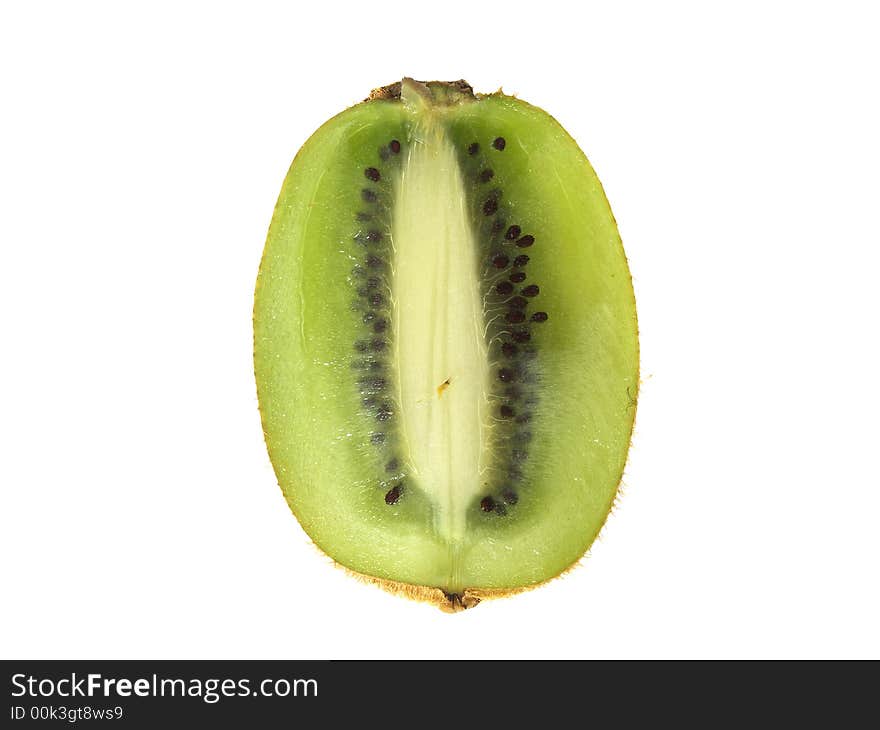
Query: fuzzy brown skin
391, 92
446, 602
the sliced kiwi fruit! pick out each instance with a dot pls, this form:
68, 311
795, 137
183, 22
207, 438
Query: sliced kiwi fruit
445, 343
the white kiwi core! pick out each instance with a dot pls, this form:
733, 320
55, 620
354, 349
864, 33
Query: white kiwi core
442, 358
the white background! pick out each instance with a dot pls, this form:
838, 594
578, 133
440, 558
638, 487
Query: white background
142, 149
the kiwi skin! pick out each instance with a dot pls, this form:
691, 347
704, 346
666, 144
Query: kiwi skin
292, 468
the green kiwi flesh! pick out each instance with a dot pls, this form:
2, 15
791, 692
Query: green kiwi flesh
445, 343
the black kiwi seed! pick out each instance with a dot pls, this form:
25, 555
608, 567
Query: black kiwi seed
539, 317
490, 206
392, 466
374, 262
473, 149
394, 146
368, 196
506, 412
378, 345
521, 260
509, 496
486, 175
518, 277
385, 412
508, 349
512, 232
517, 303
505, 375
515, 316
522, 336
380, 325
393, 494
530, 291
487, 504
525, 241
378, 438
371, 173
500, 261
499, 143
504, 288
376, 299
373, 282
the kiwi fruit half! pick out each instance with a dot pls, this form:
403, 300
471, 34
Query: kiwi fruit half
445, 343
